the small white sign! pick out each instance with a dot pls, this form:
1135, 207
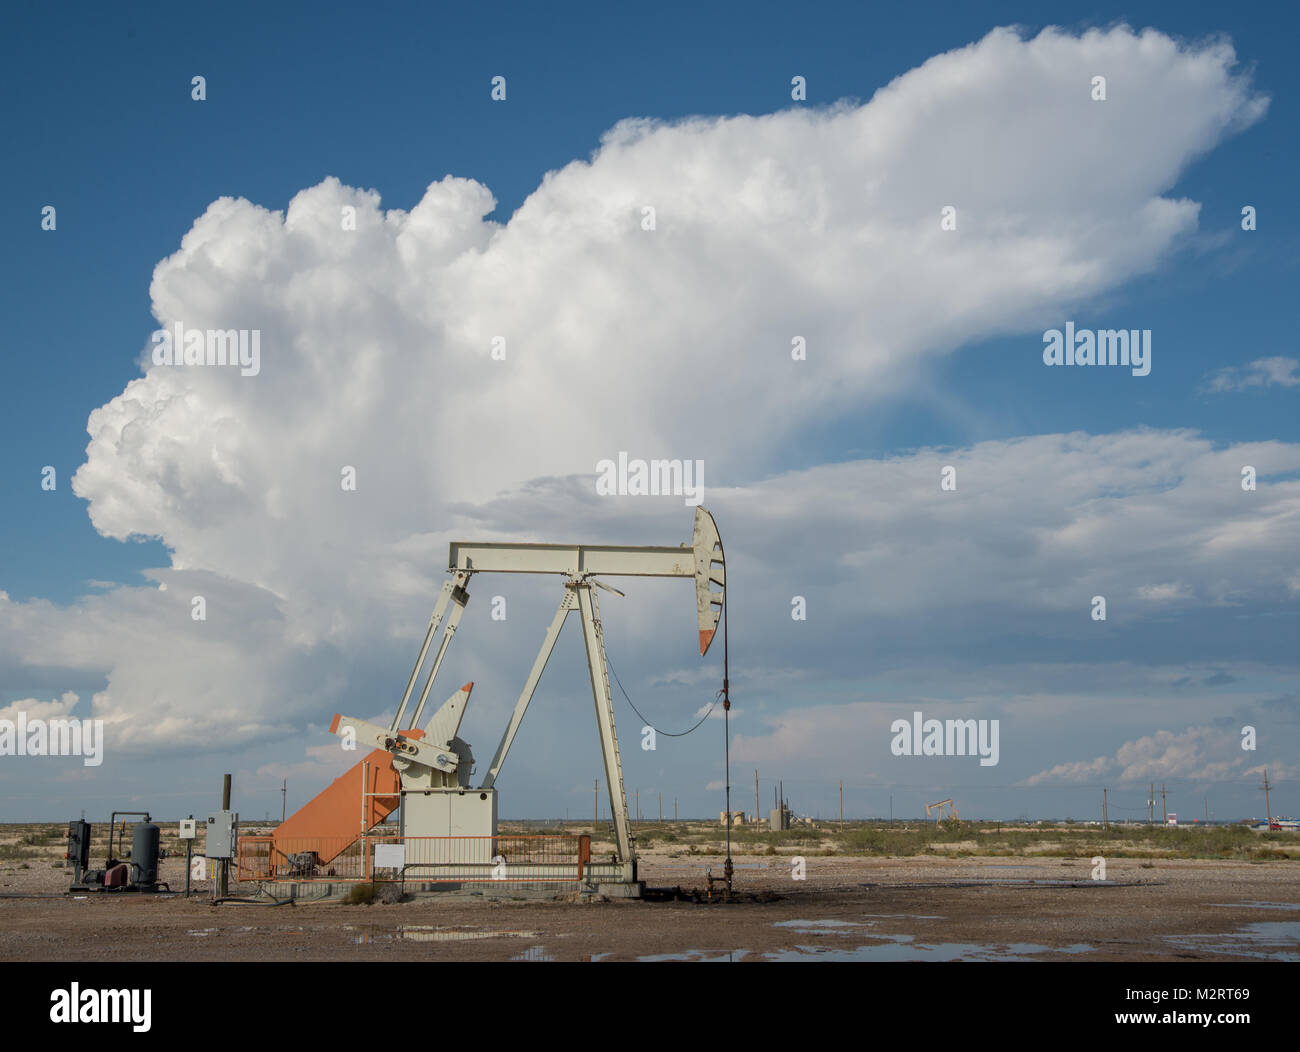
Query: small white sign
1172, 819
187, 828
390, 856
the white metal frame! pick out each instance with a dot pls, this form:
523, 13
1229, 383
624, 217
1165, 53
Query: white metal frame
580, 564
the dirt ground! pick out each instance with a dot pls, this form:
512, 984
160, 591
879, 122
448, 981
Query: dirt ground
977, 908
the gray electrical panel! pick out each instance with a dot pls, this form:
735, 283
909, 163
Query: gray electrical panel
223, 834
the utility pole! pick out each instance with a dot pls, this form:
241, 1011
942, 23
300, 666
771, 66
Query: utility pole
756, 808
595, 796
1151, 804
1105, 818
1268, 808
638, 806
1207, 810
1164, 806
284, 791
841, 801
661, 807
891, 809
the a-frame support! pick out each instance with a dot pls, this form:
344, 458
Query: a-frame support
568, 603
578, 595
594, 636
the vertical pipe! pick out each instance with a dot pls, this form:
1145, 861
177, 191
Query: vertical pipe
728, 869
225, 863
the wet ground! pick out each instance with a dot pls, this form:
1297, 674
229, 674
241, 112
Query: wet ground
844, 909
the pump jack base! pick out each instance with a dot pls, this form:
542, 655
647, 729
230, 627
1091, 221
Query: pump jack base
634, 890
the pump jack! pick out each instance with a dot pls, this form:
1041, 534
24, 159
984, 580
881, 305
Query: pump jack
952, 809
427, 771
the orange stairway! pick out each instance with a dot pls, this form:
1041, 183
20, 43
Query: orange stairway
336, 817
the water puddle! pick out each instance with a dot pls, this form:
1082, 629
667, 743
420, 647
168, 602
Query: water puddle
533, 953
905, 916
1029, 882
1264, 941
903, 948
432, 933
1259, 905
822, 927
696, 955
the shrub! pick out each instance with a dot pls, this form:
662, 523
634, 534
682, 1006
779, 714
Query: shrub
360, 895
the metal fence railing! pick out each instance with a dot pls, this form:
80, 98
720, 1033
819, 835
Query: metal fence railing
453, 859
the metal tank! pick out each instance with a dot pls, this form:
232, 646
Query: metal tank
144, 854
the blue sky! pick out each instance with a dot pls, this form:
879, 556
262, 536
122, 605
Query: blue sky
393, 98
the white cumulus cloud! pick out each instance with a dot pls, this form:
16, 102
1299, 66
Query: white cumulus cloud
673, 342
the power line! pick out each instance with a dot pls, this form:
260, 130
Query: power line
666, 734
1056, 787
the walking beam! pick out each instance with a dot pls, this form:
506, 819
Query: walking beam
701, 559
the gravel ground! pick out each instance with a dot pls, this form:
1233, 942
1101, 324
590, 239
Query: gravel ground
846, 909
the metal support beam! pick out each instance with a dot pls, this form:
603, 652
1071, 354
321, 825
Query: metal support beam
567, 604
608, 560
439, 609
460, 597
594, 637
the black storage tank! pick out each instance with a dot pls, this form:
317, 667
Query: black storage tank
144, 855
